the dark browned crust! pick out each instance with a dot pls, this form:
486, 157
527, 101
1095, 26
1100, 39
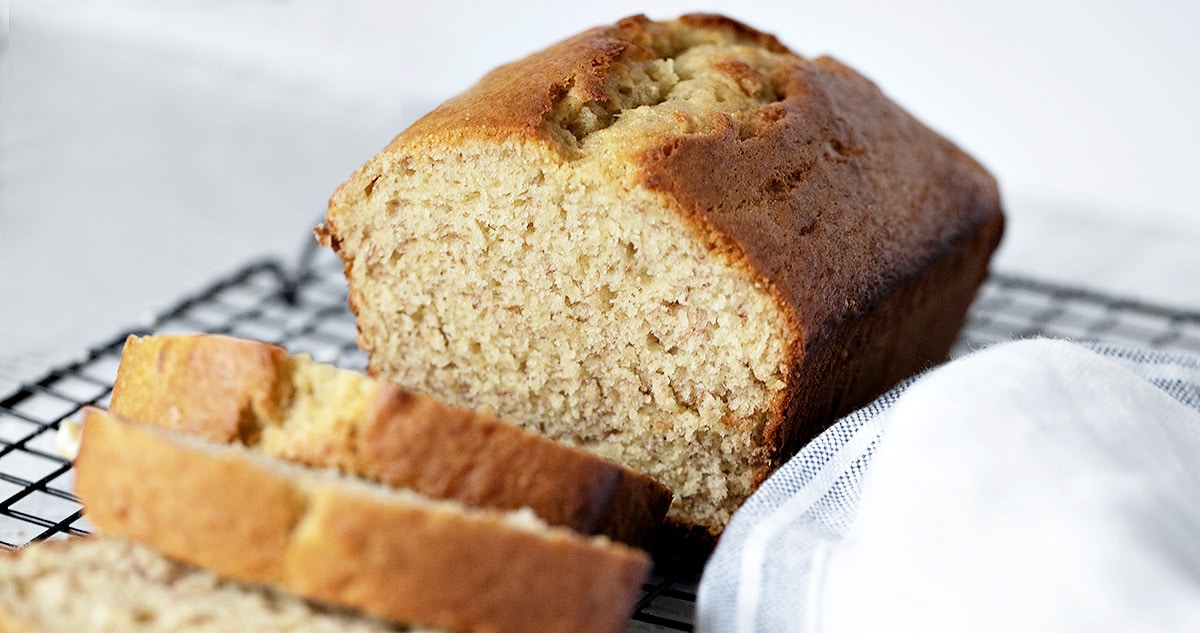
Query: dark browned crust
873, 232
910, 330
209, 386
684, 544
254, 521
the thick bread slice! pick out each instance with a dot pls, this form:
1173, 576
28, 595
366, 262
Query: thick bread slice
227, 389
677, 244
348, 542
105, 585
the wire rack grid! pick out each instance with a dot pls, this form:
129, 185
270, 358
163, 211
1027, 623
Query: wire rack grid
304, 309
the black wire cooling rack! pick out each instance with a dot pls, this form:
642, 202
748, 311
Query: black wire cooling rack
304, 309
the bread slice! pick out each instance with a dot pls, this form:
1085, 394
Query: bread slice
227, 389
106, 585
344, 541
676, 244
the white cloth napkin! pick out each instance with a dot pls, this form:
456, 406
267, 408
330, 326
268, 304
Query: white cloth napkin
1033, 486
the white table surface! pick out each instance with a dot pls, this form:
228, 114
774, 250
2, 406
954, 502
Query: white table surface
147, 147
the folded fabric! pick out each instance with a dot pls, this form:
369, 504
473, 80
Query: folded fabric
1034, 486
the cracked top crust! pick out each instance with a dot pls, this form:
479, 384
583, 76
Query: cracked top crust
586, 82
801, 169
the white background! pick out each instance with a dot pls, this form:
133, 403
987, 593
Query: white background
146, 147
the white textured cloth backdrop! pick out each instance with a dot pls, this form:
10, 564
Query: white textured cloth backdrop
1033, 486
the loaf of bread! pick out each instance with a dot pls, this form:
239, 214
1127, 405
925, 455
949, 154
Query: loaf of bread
676, 244
106, 585
227, 389
392, 553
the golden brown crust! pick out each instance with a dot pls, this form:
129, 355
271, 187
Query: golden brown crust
475, 575
203, 385
910, 329
321, 538
132, 484
513, 102
206, 384
447, 452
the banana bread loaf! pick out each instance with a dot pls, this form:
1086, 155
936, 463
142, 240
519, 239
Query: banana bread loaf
236, 390
676, 244
389, 552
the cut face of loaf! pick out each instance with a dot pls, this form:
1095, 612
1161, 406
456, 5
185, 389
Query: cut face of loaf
678, 245
227, 389
115, 586
347, 542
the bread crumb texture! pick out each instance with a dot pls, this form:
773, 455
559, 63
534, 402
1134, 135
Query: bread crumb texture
543, 281
101, 584
318, 415
672, 80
